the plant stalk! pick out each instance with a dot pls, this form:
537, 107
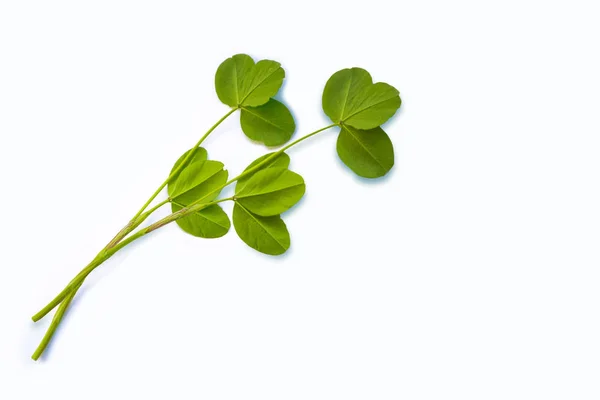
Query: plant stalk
64, 298
183, 163
97, 260
138, 218
53, 325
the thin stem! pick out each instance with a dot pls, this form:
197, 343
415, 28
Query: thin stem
150, 211
96, 261
265, 161
53, 325
69, 292
197, 205
305, 137
191, 208
65, 297
139, 217
260, 164
183, 163
108, 252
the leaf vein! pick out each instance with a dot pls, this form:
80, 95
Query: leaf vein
369, 106
264, 119
261, 226
365, 147
258, 84
242, 196
346, 98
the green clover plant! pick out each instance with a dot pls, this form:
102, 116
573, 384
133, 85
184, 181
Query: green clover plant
267, 188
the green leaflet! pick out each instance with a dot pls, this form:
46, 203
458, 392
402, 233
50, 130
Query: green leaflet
268, 235
196, 181
271, 191
241, 82
210, 222
281, 161
272, 123
369, 153
200, 154
351, 98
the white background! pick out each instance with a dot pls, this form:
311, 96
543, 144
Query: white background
470, 272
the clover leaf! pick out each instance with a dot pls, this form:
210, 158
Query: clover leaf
240, 82
351, 98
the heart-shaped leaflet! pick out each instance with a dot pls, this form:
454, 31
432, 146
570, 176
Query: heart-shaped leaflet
240, 83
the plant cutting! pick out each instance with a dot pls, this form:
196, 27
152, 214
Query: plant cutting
267, 188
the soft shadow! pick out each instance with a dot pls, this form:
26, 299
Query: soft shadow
294, 209
279, 96
284, 256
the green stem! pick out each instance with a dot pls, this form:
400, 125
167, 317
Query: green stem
65, 297
139, 217
260, 164
97, 260
197, 205
183, 163
191, 208
53, 325
69, 292
265, 161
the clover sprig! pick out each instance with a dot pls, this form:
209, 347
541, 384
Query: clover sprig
267, 188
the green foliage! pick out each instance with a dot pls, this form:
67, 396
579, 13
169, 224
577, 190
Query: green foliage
244, 85
359, 107
200, 154
351, 98
197, 180
369, 154
210, 222
271, 191
272, 123
269, 160
240, 82
268, 235
266, 188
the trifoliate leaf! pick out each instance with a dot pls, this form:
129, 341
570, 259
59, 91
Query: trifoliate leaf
351, 98
268, 235
210, 222
241, 82
196, 181
200, 154
281, 161
369, 153
271, 191
272, 123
